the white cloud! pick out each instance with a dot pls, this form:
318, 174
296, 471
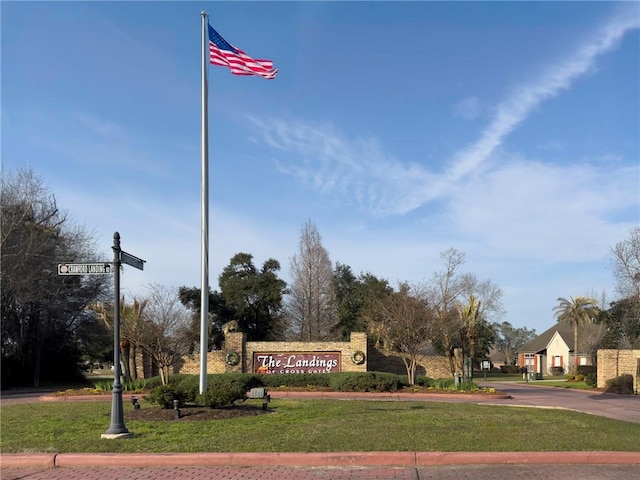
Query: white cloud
538, 230
356, 170
515, 108
359, 171
549, 212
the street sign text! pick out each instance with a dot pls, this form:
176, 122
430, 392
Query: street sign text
84, 268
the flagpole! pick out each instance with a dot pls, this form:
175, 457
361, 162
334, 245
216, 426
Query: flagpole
204, 285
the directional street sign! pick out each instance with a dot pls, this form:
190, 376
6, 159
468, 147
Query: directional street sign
84, 268
131, 260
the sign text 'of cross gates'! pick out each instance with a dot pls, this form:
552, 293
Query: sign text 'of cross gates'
307, 362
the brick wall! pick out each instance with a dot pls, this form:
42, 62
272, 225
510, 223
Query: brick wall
236, 342
613, 363
385, 361
376, 360
437, 367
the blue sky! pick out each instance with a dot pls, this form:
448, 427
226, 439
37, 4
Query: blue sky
507, 130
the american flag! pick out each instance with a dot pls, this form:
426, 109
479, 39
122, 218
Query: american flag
224, 54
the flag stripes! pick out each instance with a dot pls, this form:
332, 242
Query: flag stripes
224, 54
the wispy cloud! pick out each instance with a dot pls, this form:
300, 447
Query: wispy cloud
359, 171
517, 106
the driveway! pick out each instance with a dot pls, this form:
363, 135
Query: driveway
620, 407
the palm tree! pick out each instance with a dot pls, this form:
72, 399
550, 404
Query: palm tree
469, 317
132, 323
577, 311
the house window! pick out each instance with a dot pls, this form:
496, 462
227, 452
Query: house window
583, 360
530, 362
557, 360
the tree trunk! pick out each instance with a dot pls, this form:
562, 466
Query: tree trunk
575, 346
124, 360
133, 362
164, 374
411, 365
472, 358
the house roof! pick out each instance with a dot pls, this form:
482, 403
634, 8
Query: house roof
541, 341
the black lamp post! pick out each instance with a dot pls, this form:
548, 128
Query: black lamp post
117, 429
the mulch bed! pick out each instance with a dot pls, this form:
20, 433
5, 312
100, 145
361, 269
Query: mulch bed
192, 412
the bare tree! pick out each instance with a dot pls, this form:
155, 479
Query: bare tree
42, 312
626, 262
487, 294
444, 290
509, 339
623, 318
312, 307
590, 337
166, 336
404, 321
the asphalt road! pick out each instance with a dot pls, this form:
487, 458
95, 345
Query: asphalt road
620, 407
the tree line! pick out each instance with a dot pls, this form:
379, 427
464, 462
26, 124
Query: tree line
53, 324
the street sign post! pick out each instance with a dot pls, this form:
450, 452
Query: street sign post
84, 268
117, 428
131, 260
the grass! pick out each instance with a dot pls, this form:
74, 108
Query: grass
563, 384
319, 426
517, 377
497, 377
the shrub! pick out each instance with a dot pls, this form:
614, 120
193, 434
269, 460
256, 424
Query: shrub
225, 389
510, 369
622, 385
444, 384
366, 382
424, 381
188, 387
164, 395
450, 384
176, 378
276, 380
557, 371
154, 382
468, 386
587, 369
127, 386
104, 385
591, 379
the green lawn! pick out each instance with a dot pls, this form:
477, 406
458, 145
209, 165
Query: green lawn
562, 384
319, 426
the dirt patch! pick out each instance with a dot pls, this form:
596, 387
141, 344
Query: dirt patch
192, 412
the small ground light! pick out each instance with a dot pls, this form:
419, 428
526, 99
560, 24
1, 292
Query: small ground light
176, 409
134, 402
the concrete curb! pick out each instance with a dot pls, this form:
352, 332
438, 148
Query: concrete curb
526, 458
398, 396
26, 460
315, 459
395, 396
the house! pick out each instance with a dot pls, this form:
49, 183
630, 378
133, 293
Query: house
553, 350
